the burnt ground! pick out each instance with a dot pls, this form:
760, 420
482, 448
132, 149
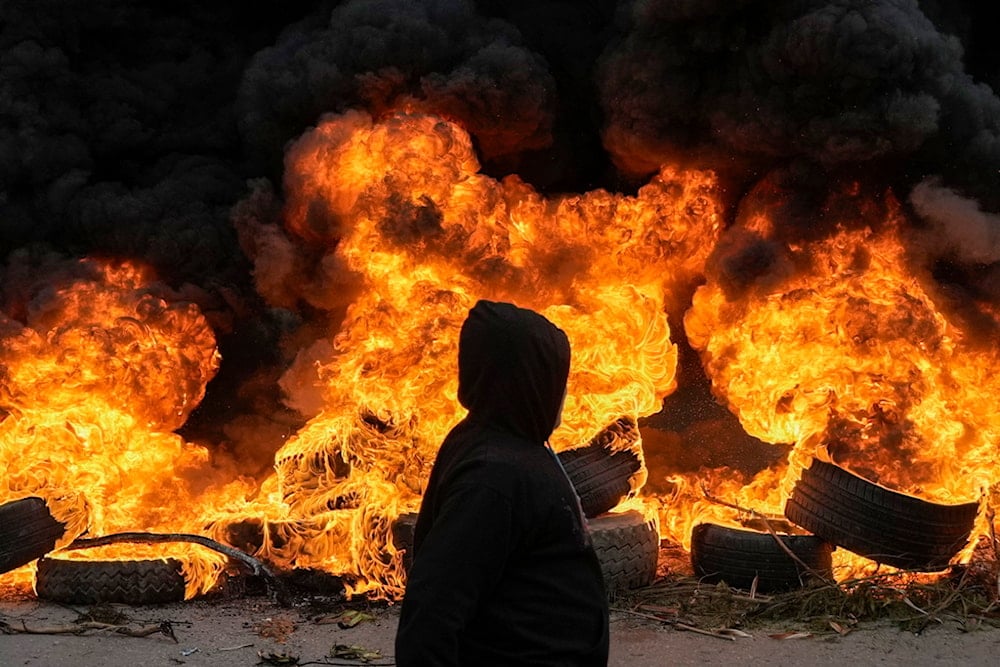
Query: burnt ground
237, 632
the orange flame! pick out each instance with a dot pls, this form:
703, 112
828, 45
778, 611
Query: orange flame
846, 354
403, 206
97, 380
850, 358
93, 382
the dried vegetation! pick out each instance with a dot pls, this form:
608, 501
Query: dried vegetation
966, 597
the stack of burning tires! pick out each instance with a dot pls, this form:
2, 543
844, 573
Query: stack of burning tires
605, 471
837, 508
828, 508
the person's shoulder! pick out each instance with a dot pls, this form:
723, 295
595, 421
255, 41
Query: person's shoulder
500, 460
502, 448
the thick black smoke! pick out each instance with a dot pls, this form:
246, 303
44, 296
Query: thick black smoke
797, 103
118, 139
837, 85
155, 132
440, 55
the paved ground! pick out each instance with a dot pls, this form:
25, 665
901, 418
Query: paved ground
234, 633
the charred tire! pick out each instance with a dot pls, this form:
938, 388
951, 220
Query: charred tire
878, 523
27, 532
601, 480
738, 557
126, 581
627, 546
402, 536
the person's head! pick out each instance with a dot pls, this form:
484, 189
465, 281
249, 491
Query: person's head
512, 369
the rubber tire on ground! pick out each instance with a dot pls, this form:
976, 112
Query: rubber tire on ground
27, 532
875, 522
628, 547
127, 581
602, 478
739, 557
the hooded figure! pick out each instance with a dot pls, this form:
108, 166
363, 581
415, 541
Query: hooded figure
503, 570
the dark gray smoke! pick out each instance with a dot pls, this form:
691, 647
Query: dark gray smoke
117, 134
441, 55
797, 102
155, 132
842, 85
118, 139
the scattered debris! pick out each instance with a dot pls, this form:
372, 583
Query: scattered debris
274, 658
345, 619
843, 629
733, 632
792, 635
660, 610
277, 629
967, 596
103, 613
724, 633
721, 634
354, 652
235, 648
89, 627
189, 651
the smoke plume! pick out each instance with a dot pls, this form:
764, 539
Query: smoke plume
158, 134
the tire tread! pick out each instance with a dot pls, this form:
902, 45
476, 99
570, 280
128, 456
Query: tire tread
739, 557
27, 532
126, 581
878, 523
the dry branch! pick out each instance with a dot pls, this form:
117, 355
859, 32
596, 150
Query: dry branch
995, 547
163, 628
933, 615
680, 625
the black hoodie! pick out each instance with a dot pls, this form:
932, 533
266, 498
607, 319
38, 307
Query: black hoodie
503, 570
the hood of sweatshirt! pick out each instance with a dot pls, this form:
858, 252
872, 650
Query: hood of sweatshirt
512, 369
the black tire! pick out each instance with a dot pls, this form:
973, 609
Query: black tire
738, 557
602, 477
628, 547
875, 522
27, 532
126, 581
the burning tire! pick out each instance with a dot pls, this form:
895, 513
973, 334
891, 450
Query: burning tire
127, 581
878, 523
628, 546
27, 532
602, 471
402, 536
738, 557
